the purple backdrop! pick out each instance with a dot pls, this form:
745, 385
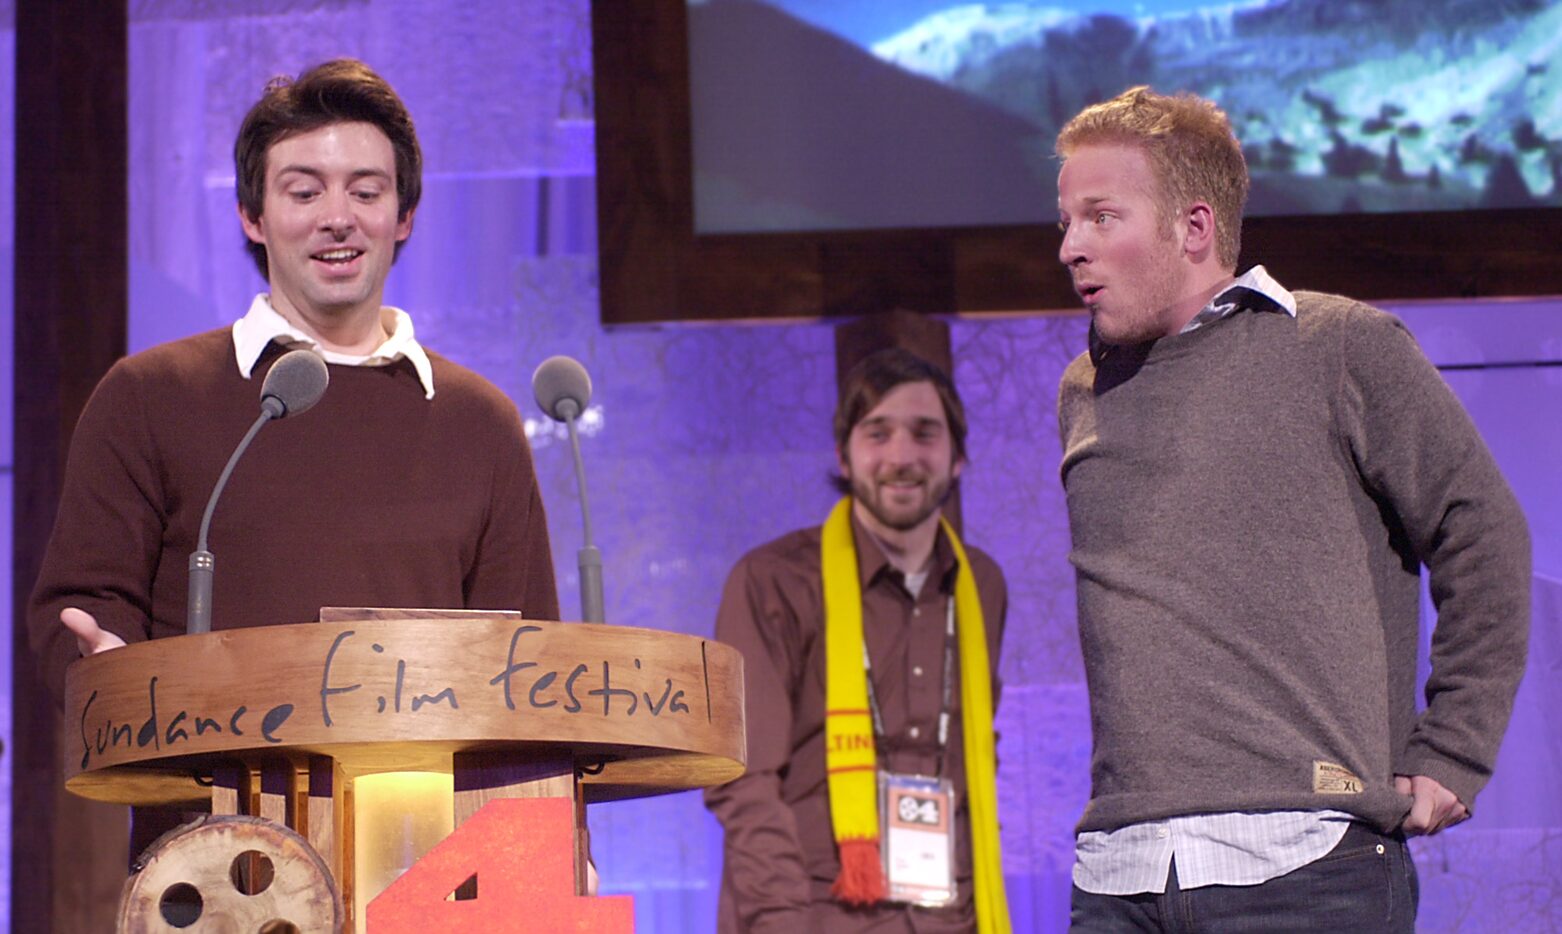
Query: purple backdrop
705, 441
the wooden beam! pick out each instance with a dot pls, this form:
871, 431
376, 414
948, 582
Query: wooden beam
926, 337
70, 301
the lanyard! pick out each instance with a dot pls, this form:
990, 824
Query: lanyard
943, 709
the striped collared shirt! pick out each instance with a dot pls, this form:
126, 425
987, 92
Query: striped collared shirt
1211, 849
1253, 289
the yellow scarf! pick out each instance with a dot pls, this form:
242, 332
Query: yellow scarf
850, 759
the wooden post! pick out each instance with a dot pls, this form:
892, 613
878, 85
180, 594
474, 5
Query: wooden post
70, 303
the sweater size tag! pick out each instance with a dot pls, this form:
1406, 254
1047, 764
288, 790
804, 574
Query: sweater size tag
1332, 779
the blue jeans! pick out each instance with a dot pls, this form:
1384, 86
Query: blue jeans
1365, 884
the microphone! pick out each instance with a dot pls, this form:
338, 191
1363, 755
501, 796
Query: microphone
563, 388
293, 384
291, 387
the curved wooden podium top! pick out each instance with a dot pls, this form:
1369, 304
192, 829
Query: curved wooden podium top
642, 711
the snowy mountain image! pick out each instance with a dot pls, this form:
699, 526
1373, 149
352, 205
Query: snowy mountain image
1341, 105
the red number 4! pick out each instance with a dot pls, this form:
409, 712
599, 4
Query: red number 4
521, 851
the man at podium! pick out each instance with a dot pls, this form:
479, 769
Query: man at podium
870, 651
410, 483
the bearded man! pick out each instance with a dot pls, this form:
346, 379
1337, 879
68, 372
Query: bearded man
870, 648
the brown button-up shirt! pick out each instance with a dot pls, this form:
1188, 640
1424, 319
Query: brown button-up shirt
780, 854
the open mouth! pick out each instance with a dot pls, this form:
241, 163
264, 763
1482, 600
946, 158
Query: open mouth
1087, 292
337, 257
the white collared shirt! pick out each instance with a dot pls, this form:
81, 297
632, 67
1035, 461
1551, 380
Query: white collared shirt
1231, 848
263, 323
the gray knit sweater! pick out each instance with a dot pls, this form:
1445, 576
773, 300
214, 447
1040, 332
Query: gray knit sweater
1251, 504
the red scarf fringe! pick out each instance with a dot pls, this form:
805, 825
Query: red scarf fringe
861, 882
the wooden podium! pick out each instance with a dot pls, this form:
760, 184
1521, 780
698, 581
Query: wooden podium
279, 722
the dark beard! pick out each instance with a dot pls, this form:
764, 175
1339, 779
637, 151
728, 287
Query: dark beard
938, 495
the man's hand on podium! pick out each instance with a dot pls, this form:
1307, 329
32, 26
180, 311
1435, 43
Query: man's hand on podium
90, 637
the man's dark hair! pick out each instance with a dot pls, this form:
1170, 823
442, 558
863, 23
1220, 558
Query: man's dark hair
872, 378
340, 91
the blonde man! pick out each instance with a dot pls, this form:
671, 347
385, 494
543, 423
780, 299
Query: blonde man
1255, 478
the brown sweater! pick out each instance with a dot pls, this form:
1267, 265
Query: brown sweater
780, 856
1251, 504
375, 497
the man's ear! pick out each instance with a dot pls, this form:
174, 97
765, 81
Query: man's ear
404, 227
957, 467
841, 464
254, 228
1199, 234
